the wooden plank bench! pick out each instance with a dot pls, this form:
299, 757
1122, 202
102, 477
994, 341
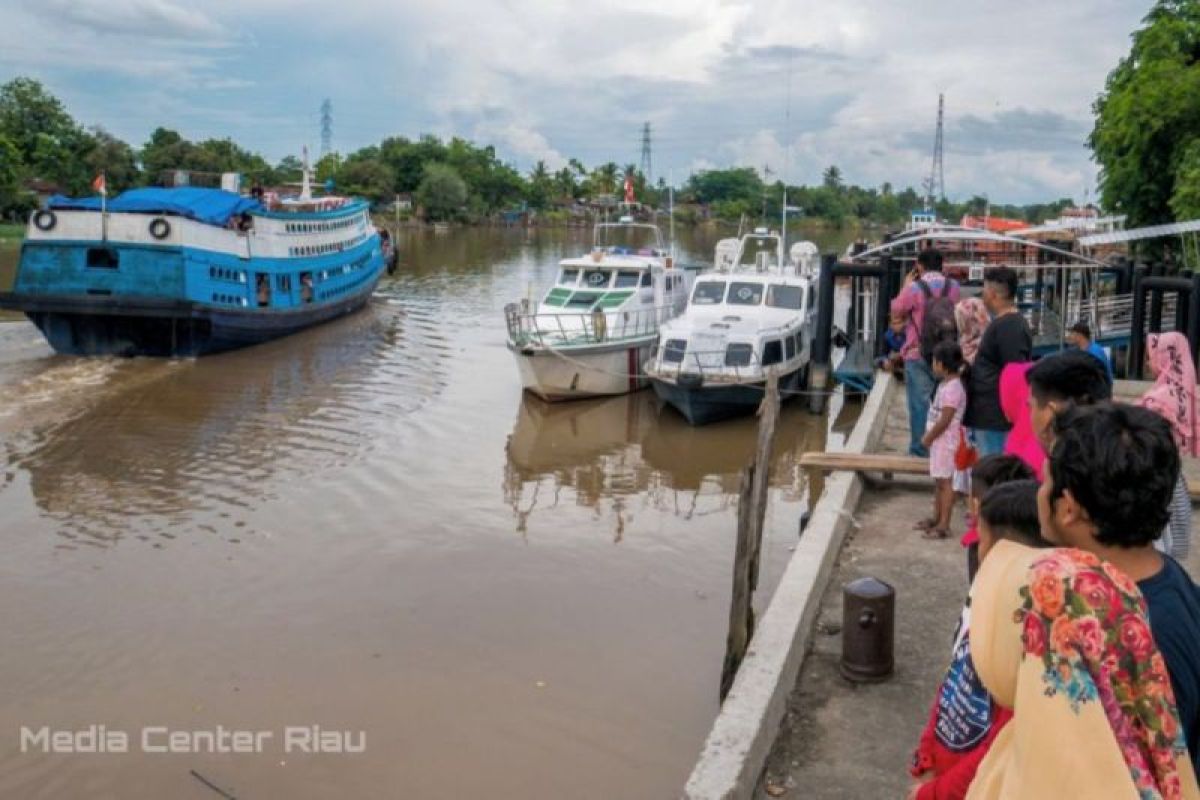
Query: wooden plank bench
895, 464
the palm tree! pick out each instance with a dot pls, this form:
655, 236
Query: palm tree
832, 178
606, 177
564, 183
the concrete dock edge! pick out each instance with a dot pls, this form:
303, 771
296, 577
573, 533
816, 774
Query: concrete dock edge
741, 737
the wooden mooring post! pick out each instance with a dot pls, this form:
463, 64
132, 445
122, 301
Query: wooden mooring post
752, 514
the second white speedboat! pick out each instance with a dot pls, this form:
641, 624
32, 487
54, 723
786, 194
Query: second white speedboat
750, 316
593, 331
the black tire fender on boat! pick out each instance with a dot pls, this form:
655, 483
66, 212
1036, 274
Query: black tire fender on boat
160, 228
690, 380
45, 220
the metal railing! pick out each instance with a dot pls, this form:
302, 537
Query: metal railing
529, 328
1109, 316
712, 365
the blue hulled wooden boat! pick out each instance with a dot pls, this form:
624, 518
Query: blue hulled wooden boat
189, 271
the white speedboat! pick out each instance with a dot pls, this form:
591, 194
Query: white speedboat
594, 329
750, 316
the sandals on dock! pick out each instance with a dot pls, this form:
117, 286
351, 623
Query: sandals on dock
934, 534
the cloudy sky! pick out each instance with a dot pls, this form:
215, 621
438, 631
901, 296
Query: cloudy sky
793, 84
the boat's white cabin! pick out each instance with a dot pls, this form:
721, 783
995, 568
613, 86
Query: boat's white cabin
751, 314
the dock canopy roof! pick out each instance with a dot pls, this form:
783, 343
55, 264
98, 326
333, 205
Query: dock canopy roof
212, 206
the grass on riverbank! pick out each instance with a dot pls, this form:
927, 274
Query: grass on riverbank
11, 233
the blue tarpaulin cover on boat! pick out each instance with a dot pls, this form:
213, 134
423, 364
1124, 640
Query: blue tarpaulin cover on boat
212, 206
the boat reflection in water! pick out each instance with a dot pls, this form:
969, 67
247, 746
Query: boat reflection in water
619, 454
166, 449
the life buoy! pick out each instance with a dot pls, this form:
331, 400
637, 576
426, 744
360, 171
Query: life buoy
160, 228
45, 220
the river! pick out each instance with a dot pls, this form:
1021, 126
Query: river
367, 527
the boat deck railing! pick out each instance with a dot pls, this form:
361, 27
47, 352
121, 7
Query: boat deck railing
528, 328
713, 368
1110, 317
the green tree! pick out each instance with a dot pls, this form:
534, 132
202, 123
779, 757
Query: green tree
1185, 197
1148, 117
442, 193
604, 178
832, 178
34, 121
327, 168
10, 175
164, 150
541, 186
115, 159
369, 178
710, 186
565, 187
288, 170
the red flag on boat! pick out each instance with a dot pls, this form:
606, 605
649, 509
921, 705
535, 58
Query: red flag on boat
99, 184
628, 188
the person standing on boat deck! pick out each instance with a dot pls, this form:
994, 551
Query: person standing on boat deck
1080, 336
921, 285
1006, 341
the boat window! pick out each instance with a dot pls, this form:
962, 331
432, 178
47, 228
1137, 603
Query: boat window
284, 282
790, 343
785, 297
568, 277
626, 280
772, 352
745, 294
102, 258
673, 350
738, 355
596, 278
647, 281
708, 293
583, 299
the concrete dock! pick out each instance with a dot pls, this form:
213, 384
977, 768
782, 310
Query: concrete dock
835, 739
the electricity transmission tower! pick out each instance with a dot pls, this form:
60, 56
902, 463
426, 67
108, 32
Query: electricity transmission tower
647, 167
935, 184
326, 127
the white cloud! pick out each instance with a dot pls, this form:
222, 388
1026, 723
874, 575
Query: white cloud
155, 19
545, 79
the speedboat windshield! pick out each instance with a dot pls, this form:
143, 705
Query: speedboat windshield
629, 237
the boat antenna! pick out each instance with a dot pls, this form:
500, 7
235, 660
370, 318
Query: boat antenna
787, 163
671, 209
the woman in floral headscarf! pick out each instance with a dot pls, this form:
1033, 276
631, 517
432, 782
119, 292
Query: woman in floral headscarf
1063, 639
972, 318
1173, 397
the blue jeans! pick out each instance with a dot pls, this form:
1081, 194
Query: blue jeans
918, 388
990, 443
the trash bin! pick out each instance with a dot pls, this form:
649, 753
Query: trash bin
868, 630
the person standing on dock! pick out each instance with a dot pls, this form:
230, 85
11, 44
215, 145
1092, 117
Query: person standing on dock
1080, 336
1007, 340
1109, 481
923, 287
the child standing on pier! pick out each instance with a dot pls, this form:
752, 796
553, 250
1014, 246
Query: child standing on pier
943, 434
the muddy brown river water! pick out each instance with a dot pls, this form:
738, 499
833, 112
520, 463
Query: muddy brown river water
368, 529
